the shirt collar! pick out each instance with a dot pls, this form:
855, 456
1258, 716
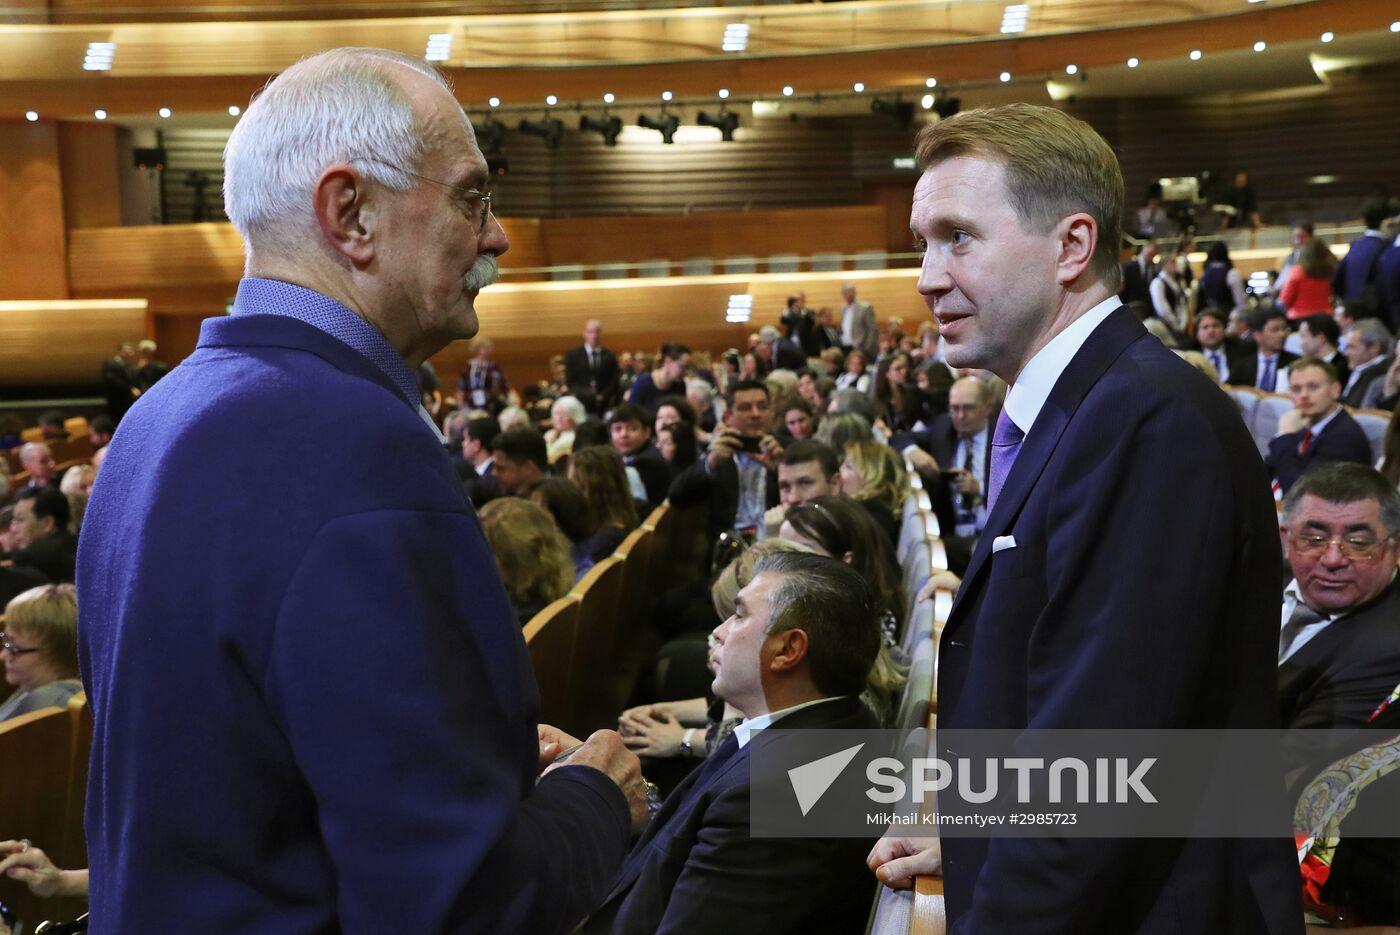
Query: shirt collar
1032, 388
745, 729
273, 297
1317, 429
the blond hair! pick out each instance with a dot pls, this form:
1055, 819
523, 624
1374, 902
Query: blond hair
48, 614
1055, 166
738, 573
882, 471
532, 554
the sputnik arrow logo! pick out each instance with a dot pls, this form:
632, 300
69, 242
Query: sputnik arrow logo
811, 780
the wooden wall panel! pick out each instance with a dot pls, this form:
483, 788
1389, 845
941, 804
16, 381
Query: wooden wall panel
64, 342
31, 213
91, 180
127, 260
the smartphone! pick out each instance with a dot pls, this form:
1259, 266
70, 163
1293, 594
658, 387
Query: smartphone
750, 443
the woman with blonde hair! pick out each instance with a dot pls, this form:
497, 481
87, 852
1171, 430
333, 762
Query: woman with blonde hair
39, 646
533, 556
565, 415
874, 475
599, 472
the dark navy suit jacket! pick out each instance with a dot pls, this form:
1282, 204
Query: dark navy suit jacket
314, 710
1359, 267
1341, 440
1122, 604
698, 870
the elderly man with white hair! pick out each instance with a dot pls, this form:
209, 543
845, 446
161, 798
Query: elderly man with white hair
313, 708
36, 458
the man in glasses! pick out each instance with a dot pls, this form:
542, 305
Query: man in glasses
1339, 645
314, 711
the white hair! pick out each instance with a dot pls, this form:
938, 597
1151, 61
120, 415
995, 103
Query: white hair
329, 108
697, 386
571, 407
513, 417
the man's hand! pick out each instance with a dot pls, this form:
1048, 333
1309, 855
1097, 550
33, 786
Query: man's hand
770, 453
724, 445
921, 460
939, 580
553, 742
651, 734
30, 866
604, 750
1392, 378
773, 521
896, 861
966, 483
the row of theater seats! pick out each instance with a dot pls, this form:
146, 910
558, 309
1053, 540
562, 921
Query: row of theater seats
921, 553
43, 784
77, 448
1261, 412
588, 647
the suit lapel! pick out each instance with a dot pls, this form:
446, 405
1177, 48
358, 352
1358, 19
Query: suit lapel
1104, 345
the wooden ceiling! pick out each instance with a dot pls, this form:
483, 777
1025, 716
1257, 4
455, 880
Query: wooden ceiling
634, 54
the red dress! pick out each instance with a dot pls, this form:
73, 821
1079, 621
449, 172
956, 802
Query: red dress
1304, 295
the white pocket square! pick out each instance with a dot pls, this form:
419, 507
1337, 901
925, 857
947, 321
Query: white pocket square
1002, 543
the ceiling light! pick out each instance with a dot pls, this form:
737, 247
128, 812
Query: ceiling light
736, 38
609, 98
551, 100
31, 115
494, 102
858, 87
1395, 26
1005, 77
1015, 17
1071, 69
666, 95
930, 82
99, 56
740, 308
1133, 62
439, 47
100, 114
1195, 55
787, 90
164, 112
724, 94
1260, 46
926, 102
1328, 37
234, 110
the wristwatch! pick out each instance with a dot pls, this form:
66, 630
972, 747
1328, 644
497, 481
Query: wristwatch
687, 746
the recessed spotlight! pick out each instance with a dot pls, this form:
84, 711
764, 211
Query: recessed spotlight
1133, 62
31, 115
1395, 26
609, 98
666, 95
930, 82
858, 87
724, 94
494, 101
234, 110
787, 90
1328, 37
551, 100
1260, 46
1195, 55
1005, 77
164, 112
100, 114
926, 102
1071, 69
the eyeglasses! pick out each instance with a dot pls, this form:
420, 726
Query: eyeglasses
11, 648
1354, 548
483, 198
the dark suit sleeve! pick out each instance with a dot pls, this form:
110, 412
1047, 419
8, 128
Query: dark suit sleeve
402, 704
576, 371
1136, 579
691, 486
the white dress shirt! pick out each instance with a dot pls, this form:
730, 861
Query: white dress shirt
1358, 371
1032, 388
745, 729
1291, 598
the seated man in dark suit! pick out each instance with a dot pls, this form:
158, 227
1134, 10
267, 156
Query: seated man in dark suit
1138, 273
954, 455
1264, 369
1319, 335
738, 476
518, 460
1339, 647
1220, 348
1369, 344
794, 655
1329, 433
630, 428
785, 353
478, 465
39, 533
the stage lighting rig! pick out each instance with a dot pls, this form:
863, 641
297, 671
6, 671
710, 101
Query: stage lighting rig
666, 125
608, 127
725, 123
550, 129
900, 111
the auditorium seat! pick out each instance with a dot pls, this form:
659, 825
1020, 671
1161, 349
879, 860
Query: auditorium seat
1247, 399
77, 426
783, 263
1264, 425
739, 266
698, 266
598, 593
550, 637
1374, 422
654, 269
871, 259
827, 262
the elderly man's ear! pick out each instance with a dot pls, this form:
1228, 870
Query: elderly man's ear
345, 213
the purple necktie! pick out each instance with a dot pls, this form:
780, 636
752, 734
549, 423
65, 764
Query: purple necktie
1006, 442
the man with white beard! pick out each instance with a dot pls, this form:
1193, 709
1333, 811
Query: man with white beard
313, 708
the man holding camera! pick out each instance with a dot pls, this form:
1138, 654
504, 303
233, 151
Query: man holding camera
738, 476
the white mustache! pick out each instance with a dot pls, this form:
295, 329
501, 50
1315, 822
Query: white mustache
482, 274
